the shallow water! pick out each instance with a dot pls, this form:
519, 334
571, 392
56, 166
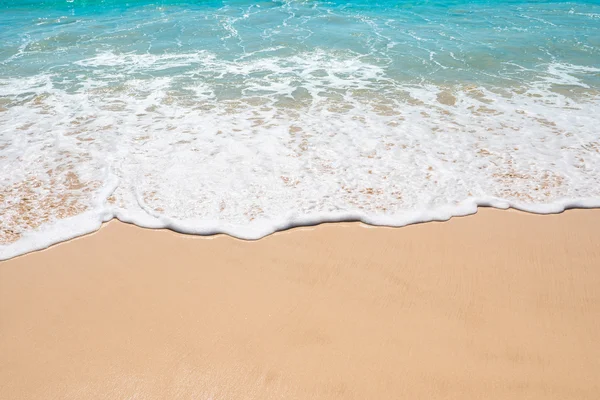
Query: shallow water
248, 117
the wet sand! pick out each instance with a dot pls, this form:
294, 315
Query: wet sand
500, 305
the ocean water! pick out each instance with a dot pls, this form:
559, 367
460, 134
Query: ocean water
247, 117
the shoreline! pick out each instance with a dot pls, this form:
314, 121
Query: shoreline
89, 223
500, 304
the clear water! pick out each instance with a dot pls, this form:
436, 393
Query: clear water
248, 117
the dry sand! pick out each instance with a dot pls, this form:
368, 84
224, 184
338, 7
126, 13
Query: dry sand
501, 305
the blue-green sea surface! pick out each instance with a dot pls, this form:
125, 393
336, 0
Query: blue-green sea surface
249, 117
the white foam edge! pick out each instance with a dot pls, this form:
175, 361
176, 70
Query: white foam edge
91, 221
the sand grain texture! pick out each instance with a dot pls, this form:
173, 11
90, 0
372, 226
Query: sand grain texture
494, 306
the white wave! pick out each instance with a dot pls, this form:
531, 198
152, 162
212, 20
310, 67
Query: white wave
306, 139
566, 74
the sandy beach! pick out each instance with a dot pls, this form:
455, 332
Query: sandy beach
499, 305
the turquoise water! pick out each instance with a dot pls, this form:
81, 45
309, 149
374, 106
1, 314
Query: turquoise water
446, 42
248, 117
